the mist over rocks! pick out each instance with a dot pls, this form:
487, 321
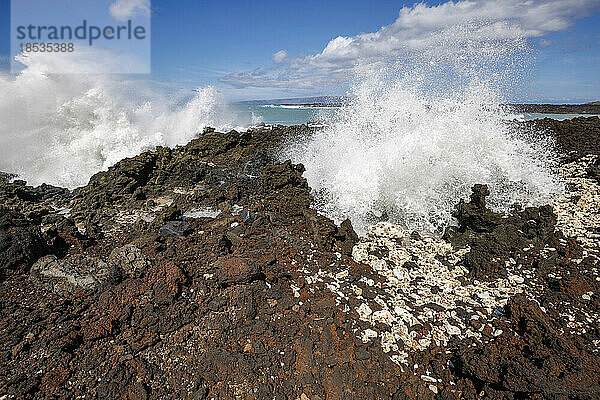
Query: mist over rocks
263, 298
406, 151
91, 121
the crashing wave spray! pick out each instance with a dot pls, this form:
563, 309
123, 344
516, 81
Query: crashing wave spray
61, 129
420, 131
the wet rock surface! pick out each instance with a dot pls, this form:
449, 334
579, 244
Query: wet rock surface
261, 297
174, 229
589, 108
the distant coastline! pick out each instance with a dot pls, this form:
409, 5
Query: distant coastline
315, 105
588, 108
338, 101
320, 101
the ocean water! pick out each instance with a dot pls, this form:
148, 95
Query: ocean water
281, 114
288, 115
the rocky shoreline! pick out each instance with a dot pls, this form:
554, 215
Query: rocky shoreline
589, 108
203, 272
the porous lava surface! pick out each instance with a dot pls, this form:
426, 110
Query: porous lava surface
210, 276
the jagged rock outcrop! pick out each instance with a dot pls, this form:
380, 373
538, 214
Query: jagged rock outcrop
494, 238
21, 243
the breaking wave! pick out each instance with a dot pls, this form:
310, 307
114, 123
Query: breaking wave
63, 128
419, 132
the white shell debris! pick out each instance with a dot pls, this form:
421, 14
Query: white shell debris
578, 210
367, 335
202, 213
423, 297
423, 290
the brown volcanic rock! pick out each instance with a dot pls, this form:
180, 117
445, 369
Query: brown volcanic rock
346, 237
494, 238
234, 270
594, 170
287, 192
21, 243
212, 169
579, 136
33, 202
542, 361
227, 310
221, 311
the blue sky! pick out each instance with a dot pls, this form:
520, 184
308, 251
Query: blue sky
230, 44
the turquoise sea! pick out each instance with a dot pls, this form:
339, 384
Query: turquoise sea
273, 114
280, 114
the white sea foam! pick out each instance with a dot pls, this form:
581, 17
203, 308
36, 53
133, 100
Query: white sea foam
288, 106
61, 129
420, 131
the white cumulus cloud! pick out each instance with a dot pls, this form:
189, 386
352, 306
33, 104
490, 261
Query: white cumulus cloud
279, 57
126, 9
454, 28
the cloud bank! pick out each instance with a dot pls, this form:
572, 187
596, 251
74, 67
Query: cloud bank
452, 29
123, 10
279, 57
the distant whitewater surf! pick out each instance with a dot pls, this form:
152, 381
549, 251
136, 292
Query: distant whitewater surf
421, 131
62, 129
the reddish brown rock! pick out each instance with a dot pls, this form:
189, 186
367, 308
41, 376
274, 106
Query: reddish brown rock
543, 361
235, 270
227, 311
21, 243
